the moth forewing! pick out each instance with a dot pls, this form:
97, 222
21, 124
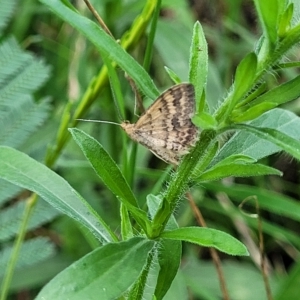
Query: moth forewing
166, 127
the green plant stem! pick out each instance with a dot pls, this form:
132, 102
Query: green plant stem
17, 247
181, 179
137, 291
149, 49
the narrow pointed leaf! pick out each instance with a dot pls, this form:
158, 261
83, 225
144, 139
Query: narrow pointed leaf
245, 75
109, 172
199, 65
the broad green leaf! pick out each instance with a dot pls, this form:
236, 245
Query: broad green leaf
282, 94
251, 145
208, 238
109, 173
20, 169
169, 253
285, 142
106, 273
237, 170
106, 45
268, 200
199, 65
244, 76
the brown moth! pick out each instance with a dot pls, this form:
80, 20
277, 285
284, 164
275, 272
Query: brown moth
166, 128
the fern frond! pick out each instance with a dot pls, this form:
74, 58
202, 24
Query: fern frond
32, 252
6, 11
24, 119
20, 73
8, 191
11, 217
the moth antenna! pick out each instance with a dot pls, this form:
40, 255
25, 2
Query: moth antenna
98, 121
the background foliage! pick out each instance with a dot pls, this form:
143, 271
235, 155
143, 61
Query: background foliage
62, 63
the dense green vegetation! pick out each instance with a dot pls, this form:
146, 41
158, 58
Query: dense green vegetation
85, 213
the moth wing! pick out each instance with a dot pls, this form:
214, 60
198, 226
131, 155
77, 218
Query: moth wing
169, 118
166, 128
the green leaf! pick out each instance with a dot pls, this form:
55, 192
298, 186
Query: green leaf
285, 142
285, 20
19, 123
18, 168
208, 238
239, 115
289, 287
110, 174
256, 91
237, 170
33, 251
126, 226
175, 78
251, 145
6, 12
199, 65
205, 121
106, 45
268, 11
12, 216
169, 36
244, 76
169, 259
106, 273
237, 159
21, 75
282, 94
169, 252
